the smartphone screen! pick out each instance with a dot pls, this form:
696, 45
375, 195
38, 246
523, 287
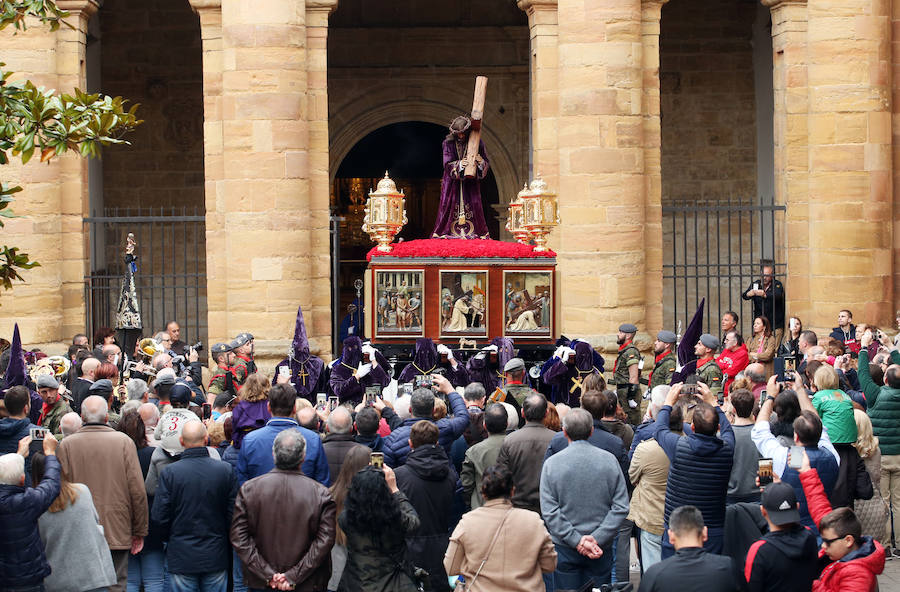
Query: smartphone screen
765, 472
763, 395
321, 400
795, 458
207, 411
332, 403
376, 459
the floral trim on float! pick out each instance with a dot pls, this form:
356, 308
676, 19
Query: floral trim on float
471, 248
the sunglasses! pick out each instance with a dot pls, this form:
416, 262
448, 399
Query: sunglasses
829, 541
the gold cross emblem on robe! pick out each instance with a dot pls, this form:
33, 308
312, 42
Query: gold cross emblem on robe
303, 373
576, 383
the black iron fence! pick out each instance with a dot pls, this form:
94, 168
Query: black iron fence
713, 250
171, 274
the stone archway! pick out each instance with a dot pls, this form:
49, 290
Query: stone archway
370, 114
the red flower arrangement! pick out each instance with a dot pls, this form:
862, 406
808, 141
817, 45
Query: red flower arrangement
460, 248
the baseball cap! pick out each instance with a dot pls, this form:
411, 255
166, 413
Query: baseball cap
164, 376
180, 394
780, 502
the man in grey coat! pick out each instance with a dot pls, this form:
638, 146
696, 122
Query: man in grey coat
523, 452
583, 501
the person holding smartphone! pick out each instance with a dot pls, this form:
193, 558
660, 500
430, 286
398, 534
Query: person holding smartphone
809, 433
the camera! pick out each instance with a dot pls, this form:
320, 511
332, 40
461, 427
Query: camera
197, 347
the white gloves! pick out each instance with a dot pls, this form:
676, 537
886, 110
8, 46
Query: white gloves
568, 351
559, 351
491, 348
363, 370
444, 350
632, 403
368, 351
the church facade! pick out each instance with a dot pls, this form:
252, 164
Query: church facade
631, 110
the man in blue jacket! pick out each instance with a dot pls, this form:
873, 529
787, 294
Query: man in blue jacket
255, 458
421, 406
193, 507
23, 565
700, 466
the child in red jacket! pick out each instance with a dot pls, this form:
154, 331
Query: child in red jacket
851, 561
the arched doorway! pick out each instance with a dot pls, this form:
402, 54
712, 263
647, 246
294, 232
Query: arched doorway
411, 152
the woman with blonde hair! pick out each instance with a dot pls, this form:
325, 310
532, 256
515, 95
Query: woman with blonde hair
872, 513
73, 538
252, 410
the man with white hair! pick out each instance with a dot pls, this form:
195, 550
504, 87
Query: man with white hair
137, 390
107, 462
24, 564
150, 414
339, 440
645, 430
70, 423
274, 556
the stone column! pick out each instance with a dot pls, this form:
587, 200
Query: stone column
850, 160
319, 305
210, 13
49, 305
651, 13
792, 136
601, 164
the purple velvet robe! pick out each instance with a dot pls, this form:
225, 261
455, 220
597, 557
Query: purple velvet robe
481, 370
344, 384
301, 360
559, 375
452, 182
426, 360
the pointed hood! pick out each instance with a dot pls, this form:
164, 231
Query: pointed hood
505, 350
352, 353
426, 356
687, 360
301, 342
15, 372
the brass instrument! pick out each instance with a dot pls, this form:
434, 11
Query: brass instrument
149, 347
55, 366
131, 366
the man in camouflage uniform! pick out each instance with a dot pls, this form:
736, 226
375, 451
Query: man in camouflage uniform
55, 405
663, 365
514, 391
244, 366
707, 370
224, 379
627, 373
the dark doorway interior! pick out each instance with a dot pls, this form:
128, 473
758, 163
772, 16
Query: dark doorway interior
411, 153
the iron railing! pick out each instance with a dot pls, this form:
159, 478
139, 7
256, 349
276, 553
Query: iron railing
713, 250
171, 275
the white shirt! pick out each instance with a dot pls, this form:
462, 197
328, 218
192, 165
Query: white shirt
769, 447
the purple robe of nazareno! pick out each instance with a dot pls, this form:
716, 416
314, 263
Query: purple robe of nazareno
454, 186
481, 370
559, 375
307, 374
344, 384
426, 360
17, 375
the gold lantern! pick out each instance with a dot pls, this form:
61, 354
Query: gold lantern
385, 213
540, 212
516, 219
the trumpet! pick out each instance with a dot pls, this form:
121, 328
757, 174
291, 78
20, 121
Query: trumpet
149, 347
55, 366
131, 366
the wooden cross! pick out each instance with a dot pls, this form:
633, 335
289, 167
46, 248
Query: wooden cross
303, 373
475, 130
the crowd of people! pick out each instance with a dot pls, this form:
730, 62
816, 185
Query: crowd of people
774, 465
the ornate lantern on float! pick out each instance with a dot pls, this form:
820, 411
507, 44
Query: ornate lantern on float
516, 219
385, 213
540, 212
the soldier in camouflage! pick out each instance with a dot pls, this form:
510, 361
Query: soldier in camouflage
244, 366
514, 391
664, 364
55, 405
707, 369
627, 373
224, 379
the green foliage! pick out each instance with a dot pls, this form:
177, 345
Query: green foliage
34, 120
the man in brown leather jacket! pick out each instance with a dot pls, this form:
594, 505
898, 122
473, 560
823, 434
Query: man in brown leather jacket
284, 524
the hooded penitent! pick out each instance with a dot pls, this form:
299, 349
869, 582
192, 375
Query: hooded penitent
306, 369
344, 382
17, 375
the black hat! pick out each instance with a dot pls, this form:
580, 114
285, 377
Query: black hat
627, 328
104, 385
220, 348
780, 502
666, 337
180, 393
